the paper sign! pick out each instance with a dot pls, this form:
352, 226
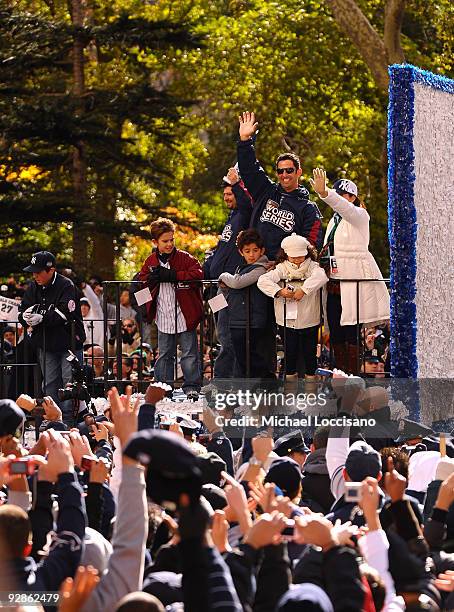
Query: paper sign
218, 303
291, 309
9, 309
143, 296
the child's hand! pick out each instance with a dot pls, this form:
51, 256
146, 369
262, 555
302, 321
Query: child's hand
285, 293
298, 294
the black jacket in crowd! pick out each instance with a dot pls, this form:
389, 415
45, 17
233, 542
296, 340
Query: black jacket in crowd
226, 257
59, 304
248, 304
277, 213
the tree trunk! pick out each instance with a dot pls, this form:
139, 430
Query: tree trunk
367, 41
103, 255
80, 233
394, 14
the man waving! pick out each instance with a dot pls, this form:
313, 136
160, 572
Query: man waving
280, 209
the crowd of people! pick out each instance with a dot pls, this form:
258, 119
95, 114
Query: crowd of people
136, 506
133, 510
271, 266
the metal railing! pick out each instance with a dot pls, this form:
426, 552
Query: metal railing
20, 371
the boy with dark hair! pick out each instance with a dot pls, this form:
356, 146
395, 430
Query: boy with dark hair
67, 541
176, 305
248, 306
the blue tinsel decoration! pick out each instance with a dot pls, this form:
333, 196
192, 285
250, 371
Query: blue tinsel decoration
402, 221
402, 225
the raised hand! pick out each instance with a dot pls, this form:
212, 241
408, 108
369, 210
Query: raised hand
219, 531
395, 483
80, 446
369, 502
154, 394
237, 501
262, 447
51, 411
248, 125
59, 458
74, 593
232, 176
318, 183
99, 432
446, 493
25, 402
124, 414
445, 581
266, 530
316, 530
99, 471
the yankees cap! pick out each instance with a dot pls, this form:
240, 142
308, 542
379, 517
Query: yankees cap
43, 260
347, 186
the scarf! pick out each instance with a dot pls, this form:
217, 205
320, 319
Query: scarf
292, 271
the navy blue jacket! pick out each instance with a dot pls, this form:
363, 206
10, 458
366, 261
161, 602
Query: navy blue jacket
67, 545
277, 213
242, 295
59, 304
226, 257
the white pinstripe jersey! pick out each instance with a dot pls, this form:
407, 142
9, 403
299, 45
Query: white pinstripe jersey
165, 309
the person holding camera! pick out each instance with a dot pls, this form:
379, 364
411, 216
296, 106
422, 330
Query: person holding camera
50, 312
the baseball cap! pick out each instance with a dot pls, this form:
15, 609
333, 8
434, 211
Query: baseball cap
362, 461
173, 468
42, 260
290, 442
11, 417
286, 474
346, 186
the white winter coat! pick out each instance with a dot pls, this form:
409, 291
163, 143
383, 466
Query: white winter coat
351, 250
309, 277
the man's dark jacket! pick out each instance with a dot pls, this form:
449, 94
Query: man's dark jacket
226, 257
62, 326
277, 213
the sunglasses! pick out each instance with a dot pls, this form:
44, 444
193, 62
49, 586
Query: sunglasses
286, 170
128, 325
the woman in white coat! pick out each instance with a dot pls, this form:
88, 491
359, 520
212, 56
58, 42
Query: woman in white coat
346, 255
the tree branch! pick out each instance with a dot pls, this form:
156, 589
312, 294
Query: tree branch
366, 39
394, 14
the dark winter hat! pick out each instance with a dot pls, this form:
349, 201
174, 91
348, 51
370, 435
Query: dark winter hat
362, 461
408, 430
346, 186
211, 466
291, 442
215, 496
42, 260
307, 597
166, 586
11, 417
173, 468
286, 474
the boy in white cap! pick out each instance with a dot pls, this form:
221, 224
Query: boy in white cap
295, 285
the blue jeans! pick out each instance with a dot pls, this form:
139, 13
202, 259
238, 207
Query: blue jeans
164, 369
224, 366
56, 371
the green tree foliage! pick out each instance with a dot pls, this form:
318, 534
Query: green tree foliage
41, 122
148, 152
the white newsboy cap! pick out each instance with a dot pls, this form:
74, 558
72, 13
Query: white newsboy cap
295, 246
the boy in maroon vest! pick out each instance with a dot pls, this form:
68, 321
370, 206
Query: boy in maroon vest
176, 305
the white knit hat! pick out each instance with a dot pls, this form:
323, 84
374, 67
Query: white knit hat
295, 246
